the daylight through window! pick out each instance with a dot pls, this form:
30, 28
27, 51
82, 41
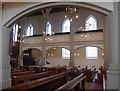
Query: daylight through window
29, 30
91, 23
91, 53
65, 53
15, 32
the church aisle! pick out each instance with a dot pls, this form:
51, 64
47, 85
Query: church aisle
89, 86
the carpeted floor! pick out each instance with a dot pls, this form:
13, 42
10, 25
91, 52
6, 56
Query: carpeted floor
89, 85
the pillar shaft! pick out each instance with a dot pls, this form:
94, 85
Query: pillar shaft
6, 68
72, 29
45, 16
113, 71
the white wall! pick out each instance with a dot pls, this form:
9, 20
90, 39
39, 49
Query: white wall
36, 21
114, 40
113, 71
80, 60
0, 44
105, 4
57, 19
12, 9
6, 68
93, 39
56, 59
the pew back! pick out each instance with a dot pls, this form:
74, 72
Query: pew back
74, 85
22, 73
43, 84
17, 79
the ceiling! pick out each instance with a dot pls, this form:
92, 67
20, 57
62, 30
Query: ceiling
53, 10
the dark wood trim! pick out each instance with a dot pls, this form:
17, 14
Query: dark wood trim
63, 33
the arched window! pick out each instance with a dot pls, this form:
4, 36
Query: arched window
65, 53
48, 28
90, 23
91, 52
66, 26
29, 30
15, 32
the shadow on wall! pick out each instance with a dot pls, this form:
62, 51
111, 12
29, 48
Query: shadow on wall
31, 57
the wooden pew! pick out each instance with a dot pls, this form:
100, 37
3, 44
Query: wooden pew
44, 84
54, 70
101, 80
23, 76
17, 79
15, 71
57, 70
90, 74
22, 73
75, 72
76, 84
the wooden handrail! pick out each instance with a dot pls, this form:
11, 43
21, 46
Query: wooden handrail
36, 83
71, 84
104, 82
16, 79
22, 73
15, 71
77, 82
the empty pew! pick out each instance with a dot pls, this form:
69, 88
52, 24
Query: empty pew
77, 84
44, 84
17, 79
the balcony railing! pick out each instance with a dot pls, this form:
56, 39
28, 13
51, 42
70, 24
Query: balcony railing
83, 36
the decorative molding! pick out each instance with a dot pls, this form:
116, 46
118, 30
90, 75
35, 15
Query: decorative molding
48, 4
113, 69
113, 72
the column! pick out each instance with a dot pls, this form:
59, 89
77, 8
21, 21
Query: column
113, 72
71, 14
0, 45
21, 41
45, 16
106, 42
6, 68
72, 29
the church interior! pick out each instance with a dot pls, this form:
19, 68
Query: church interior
58, 46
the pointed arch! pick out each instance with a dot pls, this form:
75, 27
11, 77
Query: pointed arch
66, 26
90, 23
29, 31
48, 28
15, 32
